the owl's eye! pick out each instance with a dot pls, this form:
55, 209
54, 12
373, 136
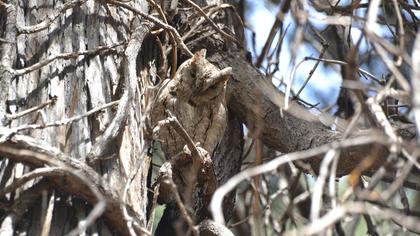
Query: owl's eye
214, 86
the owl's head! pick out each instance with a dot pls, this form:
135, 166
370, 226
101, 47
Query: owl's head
204, 81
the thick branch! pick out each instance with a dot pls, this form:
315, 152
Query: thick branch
258, 104
130, 74
70, 183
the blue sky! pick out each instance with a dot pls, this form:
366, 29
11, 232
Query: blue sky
324, 83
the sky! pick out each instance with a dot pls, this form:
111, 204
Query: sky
324, 84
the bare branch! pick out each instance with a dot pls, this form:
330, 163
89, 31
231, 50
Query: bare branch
213, 25
370, 25
415, 82
339, 212
50, 18
98, 208
278, 23
70, 55
40, 172
316, 203
218, 196
30, 110
165, 180
46, 226
130, 76
80, 180
157, 22
5, 133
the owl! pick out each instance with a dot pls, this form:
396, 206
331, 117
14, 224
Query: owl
196, 97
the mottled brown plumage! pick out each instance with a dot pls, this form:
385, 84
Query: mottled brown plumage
196, 96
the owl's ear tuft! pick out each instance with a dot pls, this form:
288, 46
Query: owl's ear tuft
198, 56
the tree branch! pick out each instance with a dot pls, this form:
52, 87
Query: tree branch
272, 165
81, 180
289, 130
49, 19
130, 79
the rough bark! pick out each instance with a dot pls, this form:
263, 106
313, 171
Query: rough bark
96, 34
68, 183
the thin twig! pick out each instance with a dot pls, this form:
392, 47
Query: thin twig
401, 31
399, 180
278, 23
151, 220
30, 110
171, 36
221, 192
369, 26
321, 55
182, 208
6, 133
364, 72
173, 121
157, 22
339, 212
213, 25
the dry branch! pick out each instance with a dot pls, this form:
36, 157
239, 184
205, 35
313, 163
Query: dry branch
81, 180
216, 203
70, 55
5, 133
50, 18
336, 214
130, 79
286, 131
213, 25
156, 21
415, 81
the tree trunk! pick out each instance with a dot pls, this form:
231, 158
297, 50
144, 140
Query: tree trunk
96, 74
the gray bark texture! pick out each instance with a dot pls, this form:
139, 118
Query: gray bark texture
97, 63
93, 71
